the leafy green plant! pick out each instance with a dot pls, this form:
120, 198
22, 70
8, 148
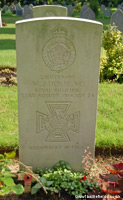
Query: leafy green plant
38, 186
7, 184
112, 63
77, 7
94, 5
62, 177
8, 13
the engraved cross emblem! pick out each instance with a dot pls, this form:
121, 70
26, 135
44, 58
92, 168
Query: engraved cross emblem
58, 123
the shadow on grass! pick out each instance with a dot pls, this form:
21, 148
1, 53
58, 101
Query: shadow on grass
7, 44
10, 19
7, 30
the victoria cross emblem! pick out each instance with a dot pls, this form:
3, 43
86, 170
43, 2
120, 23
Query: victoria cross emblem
58, 52
58, 123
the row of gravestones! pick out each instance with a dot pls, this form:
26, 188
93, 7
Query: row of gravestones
103, 7
116, 17
19, 10
86, 12
27, 13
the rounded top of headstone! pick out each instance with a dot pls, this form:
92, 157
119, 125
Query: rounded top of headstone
59, 18
107, 12
117, 19
31, 5
26, 7
102, 7
12, 7
18, 6
5, 7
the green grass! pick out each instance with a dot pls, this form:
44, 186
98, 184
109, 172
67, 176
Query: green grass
109, 131
109, 116
8, 39
7, 42
8, 117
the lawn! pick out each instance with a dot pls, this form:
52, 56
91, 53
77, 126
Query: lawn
7, 42
109, 116
8, 39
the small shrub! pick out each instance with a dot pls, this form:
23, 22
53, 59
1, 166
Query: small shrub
7, 184
112, 63
8, 13
62, 177
94, 5
77, 7
3, 11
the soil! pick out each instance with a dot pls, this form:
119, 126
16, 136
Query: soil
99, 166
8, 76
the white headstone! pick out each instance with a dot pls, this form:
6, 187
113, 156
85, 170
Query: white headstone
0, 19
117, 19
58, 61
50, 10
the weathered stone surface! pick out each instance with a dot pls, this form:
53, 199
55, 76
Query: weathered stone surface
88, 14
58, 61
107, 12
0, 19
50, 10
28, 13
117, 19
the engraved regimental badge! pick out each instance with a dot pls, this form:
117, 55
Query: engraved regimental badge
49, 13
58, 52
58, 123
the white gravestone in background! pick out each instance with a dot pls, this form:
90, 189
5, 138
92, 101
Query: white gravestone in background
49, 10
58, 61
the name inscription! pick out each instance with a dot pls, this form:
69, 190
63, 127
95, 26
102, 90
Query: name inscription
63, 86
